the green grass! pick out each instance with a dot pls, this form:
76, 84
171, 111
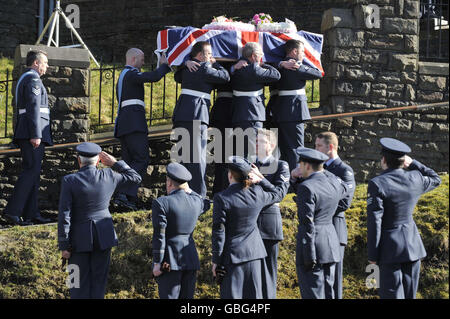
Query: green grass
30, 262
158, 107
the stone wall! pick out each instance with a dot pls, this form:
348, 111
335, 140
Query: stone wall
110, 27
18, 24
376, 68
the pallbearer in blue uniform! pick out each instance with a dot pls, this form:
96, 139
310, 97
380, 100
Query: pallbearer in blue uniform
291, 109
32, 133
192, 109
318, 197
85, 228
269, 220
236, 241
220, 119
131, 125
174, 218
248, 96
393, 239
327, 143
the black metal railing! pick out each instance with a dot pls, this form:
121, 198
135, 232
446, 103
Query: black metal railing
6, 109
160, 99
434, 28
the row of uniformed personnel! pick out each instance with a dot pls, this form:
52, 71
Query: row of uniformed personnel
390, 205
243, 260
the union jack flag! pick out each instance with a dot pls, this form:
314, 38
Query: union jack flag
177, 43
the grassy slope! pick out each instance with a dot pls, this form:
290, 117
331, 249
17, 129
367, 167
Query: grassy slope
30, 264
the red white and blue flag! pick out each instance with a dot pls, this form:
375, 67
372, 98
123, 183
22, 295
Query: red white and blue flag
177, 44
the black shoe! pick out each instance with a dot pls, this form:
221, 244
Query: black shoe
15, 220
41, 220
122, 201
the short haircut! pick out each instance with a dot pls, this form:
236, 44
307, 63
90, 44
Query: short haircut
199, 47
250, 48
292, 44
329, 138
34, 55
269, 135
315, 166
88, 160
133, 52
393, 161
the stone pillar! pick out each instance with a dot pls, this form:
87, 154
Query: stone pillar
67, 84
368, 67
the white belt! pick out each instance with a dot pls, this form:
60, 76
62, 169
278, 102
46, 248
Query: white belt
247, 93
273, 92
132, 102
291, 92
41, 110
224, 94
200, 94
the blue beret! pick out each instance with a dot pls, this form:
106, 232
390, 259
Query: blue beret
394, 147
88, 149
310, 155
239, 164
178, 173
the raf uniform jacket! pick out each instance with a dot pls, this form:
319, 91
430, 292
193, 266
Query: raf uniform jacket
33, 113
249, 79
293, 108
235, 235
83, 206
269, 221
318, 197
392, 235
345, 173
174, 218
190, 107
221, 110
131, 118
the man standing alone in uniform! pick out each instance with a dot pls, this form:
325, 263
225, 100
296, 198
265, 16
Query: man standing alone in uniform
85, 227
290, 109
327, 143
131, 125
174, 219
31, 134
318, 197
393, 239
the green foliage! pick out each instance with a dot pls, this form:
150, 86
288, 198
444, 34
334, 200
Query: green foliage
30, 265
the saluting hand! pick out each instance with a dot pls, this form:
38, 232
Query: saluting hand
296, 173
106, 159
408, 161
